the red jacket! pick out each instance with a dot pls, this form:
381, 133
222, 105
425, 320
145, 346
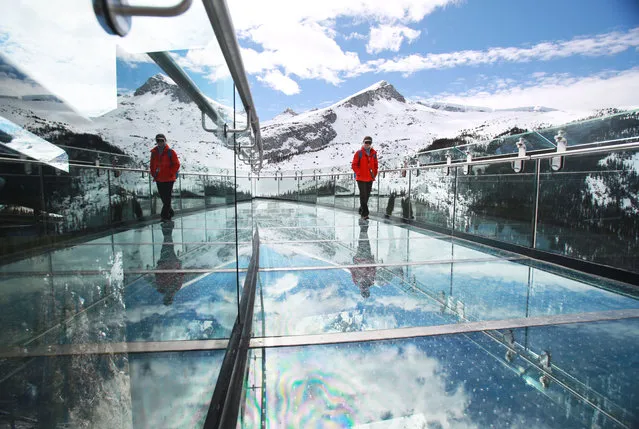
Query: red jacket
365, 166
164, 167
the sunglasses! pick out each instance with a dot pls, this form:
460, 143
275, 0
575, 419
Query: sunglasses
160, 140
368, 142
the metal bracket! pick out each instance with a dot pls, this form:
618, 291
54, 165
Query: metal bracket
238, 130
115, 15
518, 165
469, 158
557, 162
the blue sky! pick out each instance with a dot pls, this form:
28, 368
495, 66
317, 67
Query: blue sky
567, 54
476, 25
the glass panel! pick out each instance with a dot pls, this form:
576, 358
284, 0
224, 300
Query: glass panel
326, 190
267, 185
308, 189
393, 194
452, 380
130, 195
288, 187
24, 220
110, 390
80, 200
191, 192
588, 210
346, 191
365, 296
493, 201
507, 145
617, 128
244, 186
433, 196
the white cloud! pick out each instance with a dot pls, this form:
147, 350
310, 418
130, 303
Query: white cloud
131, 59
66, 53
299, 37
278, 81
390, 37
599, 45
12, 86
610, 89
356, 36
307, 50
363, 380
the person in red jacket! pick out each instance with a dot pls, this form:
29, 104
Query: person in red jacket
164, 167
365, 168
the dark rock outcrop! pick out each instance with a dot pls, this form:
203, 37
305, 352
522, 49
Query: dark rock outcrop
383, 91
160, 84
312, 137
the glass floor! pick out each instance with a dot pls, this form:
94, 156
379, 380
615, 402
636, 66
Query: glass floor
366, 326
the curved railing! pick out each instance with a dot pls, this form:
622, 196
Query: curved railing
579, 203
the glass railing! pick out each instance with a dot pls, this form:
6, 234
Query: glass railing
92, 283
620, 127
582, 205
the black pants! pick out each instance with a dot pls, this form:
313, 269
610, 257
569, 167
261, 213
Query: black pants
365, 189
165, 189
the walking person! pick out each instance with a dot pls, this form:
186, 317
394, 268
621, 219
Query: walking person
365, 168
164, 167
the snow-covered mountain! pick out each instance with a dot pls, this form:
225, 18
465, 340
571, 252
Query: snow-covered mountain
158, 106
329, 136
450, 107
316, 138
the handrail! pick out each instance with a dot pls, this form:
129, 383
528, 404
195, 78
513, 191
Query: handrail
225, 32
223, 409
492, 160
167, 11
82, 149
110, 167
489, 161
115, 15
183, 80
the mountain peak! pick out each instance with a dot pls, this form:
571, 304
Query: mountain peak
381, 90
160, 83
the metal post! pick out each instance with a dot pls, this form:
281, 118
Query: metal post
410, 176
454, 202
108, 173
379, 191
536, 207
43, 211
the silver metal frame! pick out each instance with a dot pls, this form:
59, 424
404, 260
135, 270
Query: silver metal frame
115, 15
167, 11
222, 24
319, 339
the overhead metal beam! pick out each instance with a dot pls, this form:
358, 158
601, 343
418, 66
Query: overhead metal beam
220, 18
175, 72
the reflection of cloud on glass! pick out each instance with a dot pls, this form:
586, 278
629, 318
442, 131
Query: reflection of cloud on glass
283, 284
358, 384
26, 143
67, 53
172, 390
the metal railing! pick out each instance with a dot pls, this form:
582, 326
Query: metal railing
225, 402
115, 18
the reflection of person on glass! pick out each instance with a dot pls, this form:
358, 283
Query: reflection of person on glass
363, 277
168, 283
